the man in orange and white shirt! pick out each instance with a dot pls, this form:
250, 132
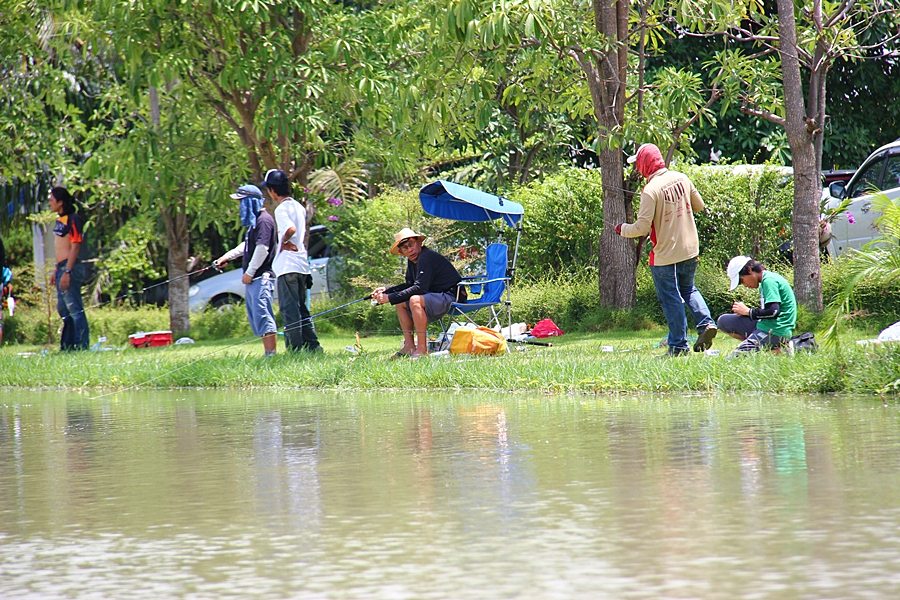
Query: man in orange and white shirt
668, 203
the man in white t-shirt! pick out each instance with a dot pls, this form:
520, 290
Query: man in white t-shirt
291, 264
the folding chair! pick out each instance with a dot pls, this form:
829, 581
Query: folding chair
491, 285
449, 200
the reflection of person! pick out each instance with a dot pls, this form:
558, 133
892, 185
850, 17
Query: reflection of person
770, 325
668, 203
430, 287
70, 272
291, 265
258, 252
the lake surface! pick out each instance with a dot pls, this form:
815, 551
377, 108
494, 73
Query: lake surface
212, 494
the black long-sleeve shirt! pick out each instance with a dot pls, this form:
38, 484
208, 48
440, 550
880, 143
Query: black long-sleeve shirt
430, 273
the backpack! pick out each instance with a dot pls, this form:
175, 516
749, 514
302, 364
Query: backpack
805, 342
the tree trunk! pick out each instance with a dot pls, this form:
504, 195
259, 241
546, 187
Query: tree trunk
606, 81
801, 138
178, 238
618, 259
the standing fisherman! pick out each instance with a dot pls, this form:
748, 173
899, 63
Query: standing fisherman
668, 203
258, 252
70, 272
291, 265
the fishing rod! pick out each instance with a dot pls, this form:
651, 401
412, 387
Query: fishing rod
310, 318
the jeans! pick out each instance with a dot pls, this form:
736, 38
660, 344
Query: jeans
75, 333
754, 339
675, 288
299, 331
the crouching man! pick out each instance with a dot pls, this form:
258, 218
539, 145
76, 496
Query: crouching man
430, 287
769, 326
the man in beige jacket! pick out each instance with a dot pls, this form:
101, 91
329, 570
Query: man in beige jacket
668, 203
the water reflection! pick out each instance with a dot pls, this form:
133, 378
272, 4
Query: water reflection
293, 494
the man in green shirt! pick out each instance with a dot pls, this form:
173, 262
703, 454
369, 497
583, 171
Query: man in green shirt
769, 326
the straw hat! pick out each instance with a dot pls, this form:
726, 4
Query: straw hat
405, 234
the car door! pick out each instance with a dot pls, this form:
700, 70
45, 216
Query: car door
880, 173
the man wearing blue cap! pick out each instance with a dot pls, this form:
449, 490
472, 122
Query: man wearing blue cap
258, 251
291, 266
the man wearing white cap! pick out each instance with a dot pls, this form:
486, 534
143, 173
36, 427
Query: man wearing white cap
770, 325
668, 203
432, 284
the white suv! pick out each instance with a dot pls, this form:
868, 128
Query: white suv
226, 288
878, 173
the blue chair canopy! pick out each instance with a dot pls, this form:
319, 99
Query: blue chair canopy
449, 200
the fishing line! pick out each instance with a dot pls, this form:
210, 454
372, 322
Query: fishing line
228, 347
142, 290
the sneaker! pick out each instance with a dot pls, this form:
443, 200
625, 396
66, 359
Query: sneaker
704, 340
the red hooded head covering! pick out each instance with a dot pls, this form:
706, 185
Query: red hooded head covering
649, 160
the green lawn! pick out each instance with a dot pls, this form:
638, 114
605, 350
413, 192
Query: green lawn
575, 363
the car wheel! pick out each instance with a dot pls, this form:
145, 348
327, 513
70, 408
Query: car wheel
225, 302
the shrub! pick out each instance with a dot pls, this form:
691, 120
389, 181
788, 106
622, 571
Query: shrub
562, 224
364, 232
748, 211
225, 322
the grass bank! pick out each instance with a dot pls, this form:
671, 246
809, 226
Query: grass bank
577, 363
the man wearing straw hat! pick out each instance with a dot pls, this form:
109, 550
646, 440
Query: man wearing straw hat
432, 284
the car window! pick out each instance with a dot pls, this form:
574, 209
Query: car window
319, 243
892, 172
868, 179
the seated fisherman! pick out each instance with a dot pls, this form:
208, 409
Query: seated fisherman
430, 287
769, 326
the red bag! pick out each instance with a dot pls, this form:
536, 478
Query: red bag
546, 328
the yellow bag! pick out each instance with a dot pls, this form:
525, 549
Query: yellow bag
481, 340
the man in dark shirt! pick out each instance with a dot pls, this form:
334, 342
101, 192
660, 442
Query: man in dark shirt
257, 252
430, 287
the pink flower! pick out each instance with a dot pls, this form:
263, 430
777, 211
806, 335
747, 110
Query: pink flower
850, 218
335, 201
333, 218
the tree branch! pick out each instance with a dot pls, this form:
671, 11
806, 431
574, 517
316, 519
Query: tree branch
763, 114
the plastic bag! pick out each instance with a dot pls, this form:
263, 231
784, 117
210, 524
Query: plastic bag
546, 328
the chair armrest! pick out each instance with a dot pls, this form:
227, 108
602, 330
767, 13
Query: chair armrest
483, 281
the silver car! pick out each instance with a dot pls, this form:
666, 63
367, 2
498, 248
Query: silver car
226, 288
878, 173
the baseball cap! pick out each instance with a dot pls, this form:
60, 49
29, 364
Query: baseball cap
633, 158
275, 177
246, 191
734, 269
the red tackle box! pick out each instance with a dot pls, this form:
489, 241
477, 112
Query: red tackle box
150, 339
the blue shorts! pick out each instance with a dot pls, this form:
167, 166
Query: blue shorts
258, 299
